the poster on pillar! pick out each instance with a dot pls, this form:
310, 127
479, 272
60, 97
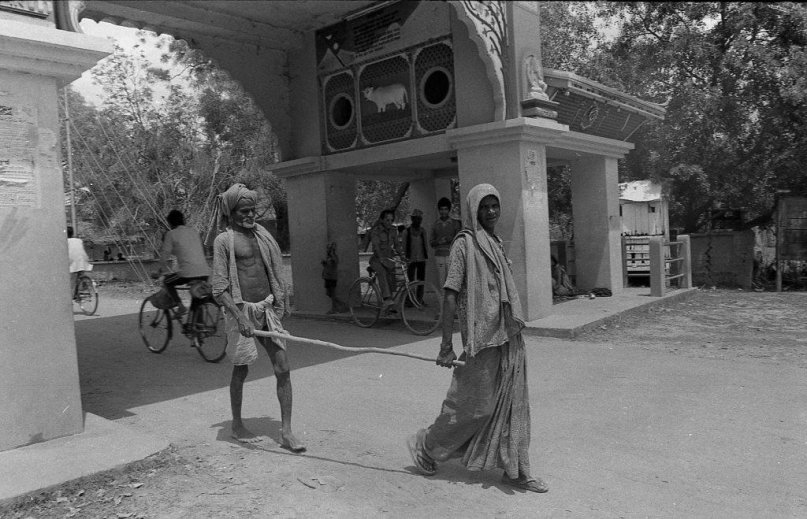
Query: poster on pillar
19, 179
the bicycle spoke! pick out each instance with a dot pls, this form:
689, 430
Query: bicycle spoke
422, 309
155, 326
208, 332
364, 302
86, 296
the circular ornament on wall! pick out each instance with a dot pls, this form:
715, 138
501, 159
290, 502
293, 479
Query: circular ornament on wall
341, 111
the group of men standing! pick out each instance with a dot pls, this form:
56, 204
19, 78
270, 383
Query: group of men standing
485, 417
412, 245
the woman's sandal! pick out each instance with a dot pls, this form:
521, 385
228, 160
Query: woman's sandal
421, 460
526, 483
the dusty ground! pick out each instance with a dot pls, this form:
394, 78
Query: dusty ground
224, 480
720, 324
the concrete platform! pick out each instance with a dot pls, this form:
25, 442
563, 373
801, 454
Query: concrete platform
103, 445
575, 316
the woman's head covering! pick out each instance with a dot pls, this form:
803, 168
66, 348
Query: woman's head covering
224, 206
472, 201
485, 259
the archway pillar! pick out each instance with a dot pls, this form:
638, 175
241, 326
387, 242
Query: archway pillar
511, 155
322, 209
39, 373
423, 196
595, 207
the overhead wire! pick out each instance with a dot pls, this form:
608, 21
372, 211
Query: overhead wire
142, 273
157, 214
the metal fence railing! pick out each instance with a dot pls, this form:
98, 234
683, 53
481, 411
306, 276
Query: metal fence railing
670, 264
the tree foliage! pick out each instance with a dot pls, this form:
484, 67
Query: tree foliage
137, 156
732, 77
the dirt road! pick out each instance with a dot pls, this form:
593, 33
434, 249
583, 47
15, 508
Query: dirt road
697, 409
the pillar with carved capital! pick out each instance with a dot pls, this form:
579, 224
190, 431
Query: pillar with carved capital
511, 155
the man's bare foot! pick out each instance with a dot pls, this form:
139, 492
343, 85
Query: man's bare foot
288, 441
244, 435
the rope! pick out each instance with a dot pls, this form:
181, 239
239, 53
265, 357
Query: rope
278, 335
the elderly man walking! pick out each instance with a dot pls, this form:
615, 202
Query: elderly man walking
247, 282
485, 417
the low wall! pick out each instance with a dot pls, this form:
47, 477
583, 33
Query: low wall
723, 258
125, 271
122, 270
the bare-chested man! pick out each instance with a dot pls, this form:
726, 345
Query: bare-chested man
247, 282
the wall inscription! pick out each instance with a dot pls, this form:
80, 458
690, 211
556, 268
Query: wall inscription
19, 180
38, 8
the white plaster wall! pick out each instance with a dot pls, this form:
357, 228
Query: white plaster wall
38, 367
264, 75
471, 84
304, 101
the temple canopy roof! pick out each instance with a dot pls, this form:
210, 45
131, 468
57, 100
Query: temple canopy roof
273, 25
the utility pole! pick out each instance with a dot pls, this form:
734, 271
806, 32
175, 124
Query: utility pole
780, 234
70, 164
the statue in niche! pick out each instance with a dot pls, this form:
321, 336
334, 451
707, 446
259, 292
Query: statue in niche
536, 102
536, 88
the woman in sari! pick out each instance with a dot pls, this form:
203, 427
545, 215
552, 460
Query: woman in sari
485, 417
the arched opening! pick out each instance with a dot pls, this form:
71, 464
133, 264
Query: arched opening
160, 126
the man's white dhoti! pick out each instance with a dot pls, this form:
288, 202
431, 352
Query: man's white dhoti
243, 351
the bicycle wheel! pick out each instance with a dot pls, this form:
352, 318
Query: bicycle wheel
423, 311
208, 331
86, 295
155, 326
364, 301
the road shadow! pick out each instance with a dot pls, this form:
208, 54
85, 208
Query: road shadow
117, 372
269, 429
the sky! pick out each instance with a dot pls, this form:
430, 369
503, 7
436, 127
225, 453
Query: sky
126, 37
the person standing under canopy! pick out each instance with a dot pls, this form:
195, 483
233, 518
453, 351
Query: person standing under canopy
485, 417
443, 232
384, 237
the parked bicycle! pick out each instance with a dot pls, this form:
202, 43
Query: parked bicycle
203, 324
85, 293
418, 303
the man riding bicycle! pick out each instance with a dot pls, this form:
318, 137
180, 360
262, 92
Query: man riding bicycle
79, 261
384, 237
186, 245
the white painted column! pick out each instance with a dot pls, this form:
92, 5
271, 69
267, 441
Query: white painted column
597, 225
322, 209
39, 370
511, 155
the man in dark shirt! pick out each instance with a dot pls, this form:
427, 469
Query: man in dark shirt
443, 232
